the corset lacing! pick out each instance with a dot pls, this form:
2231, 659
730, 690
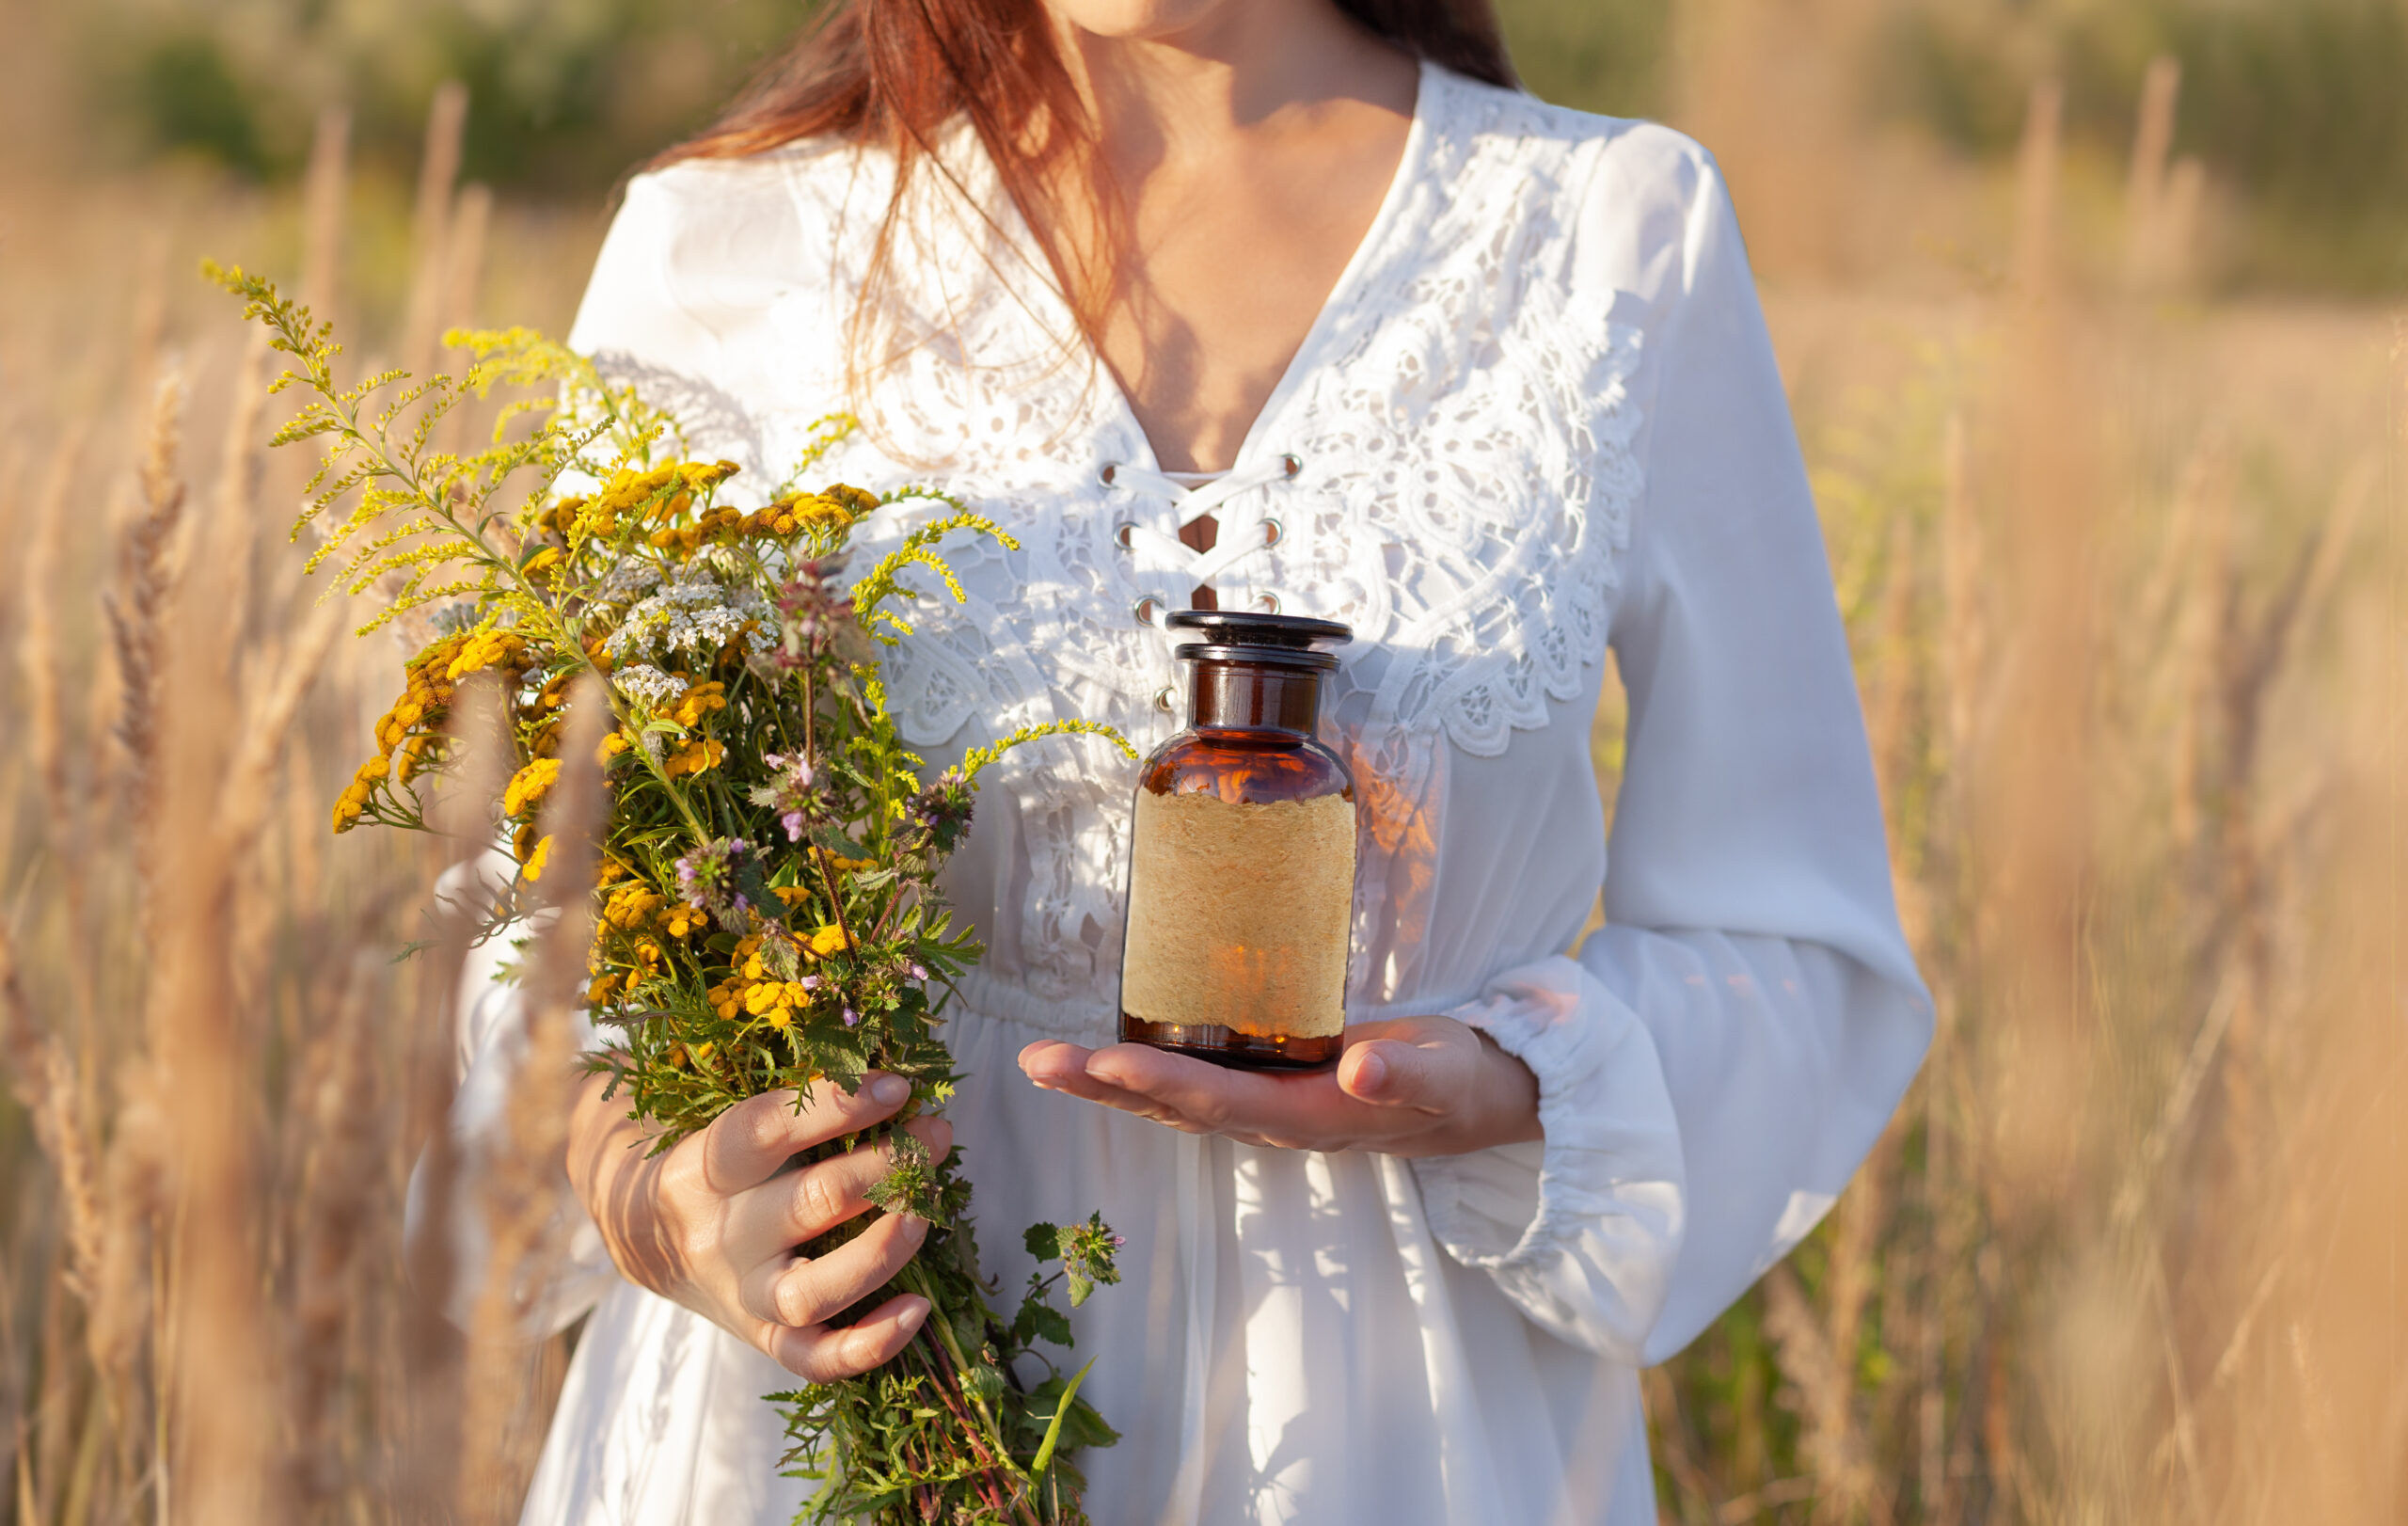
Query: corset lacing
1160, 562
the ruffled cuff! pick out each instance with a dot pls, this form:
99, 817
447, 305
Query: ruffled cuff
1581, 1231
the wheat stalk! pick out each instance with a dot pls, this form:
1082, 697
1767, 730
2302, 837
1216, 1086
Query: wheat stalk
138, 607
219, 1387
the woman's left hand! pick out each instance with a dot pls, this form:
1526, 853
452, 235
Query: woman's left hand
1413, 1086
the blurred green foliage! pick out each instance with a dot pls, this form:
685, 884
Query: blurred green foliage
567, 95
1603, 56
2300, 106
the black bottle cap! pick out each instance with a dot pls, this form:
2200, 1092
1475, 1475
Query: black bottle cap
1279, 632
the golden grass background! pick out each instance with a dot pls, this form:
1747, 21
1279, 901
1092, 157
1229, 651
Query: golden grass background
2120, 547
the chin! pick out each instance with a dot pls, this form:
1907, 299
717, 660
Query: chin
1133, 20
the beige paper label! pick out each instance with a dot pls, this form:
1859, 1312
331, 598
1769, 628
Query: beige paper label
1239, 914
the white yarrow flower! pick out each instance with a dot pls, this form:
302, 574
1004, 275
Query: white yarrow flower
693, 614
647, 685
628, 580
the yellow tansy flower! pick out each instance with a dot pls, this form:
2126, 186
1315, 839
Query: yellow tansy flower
829, 939
529, 785
698, 701
695, 758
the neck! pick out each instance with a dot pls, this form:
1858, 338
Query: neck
1188, 90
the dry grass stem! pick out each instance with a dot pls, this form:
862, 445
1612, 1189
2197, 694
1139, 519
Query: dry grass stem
464, 259
427, 1482
447, 118
139, 608
251, 782
2146, 194
230, 532
346, 1139
523, 1181
42, 1078
326, 189
219, 1386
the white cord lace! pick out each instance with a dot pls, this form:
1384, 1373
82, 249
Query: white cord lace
1159, 557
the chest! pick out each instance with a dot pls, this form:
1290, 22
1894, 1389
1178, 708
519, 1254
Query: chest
1219, 266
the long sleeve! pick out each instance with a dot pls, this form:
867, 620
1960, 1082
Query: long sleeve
1725, 1050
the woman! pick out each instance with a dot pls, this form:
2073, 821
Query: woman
1312, 286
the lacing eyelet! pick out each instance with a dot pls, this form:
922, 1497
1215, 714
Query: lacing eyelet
1124, 533
1291, 464
1149, 608
1110, 473
1272, 531
1268, 604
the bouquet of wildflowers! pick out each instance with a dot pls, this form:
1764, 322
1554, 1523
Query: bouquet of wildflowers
767, 914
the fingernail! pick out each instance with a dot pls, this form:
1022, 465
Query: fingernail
912, 1318
889, 1090
1370, 1073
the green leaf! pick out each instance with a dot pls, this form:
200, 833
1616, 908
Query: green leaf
983, 1382
840, 1063
1062, 1407
838, 843
1040, 1321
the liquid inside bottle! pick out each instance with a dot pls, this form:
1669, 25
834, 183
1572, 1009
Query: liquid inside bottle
1242, 869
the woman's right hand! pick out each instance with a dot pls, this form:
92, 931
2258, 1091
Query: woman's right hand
712, 1223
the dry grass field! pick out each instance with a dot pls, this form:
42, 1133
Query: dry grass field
2126, 566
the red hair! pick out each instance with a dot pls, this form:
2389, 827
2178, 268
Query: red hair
891, 74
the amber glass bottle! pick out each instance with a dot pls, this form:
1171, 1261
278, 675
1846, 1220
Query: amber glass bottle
1242, 861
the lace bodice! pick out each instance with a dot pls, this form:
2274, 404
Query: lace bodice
1451, 468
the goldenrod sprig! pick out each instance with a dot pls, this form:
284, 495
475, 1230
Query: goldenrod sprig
978, 758
871, 594
437, 494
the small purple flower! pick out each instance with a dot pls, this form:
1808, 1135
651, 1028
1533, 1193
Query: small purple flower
943, 809
919, 972
708, 875
809, 982
793, 792
852, 1019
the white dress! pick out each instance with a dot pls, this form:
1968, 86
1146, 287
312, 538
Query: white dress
1538, 417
